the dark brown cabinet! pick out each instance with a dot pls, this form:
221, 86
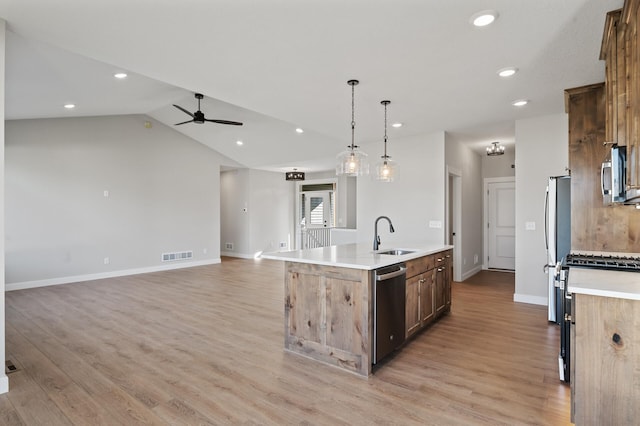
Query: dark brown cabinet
428, 290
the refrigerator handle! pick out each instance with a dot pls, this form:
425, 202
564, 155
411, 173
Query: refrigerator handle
546, 220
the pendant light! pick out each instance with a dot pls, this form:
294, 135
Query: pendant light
385, 169
352, 162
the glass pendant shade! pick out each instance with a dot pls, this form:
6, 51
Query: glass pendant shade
386, 170
352, 162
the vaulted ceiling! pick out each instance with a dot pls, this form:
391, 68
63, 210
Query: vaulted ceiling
281, 64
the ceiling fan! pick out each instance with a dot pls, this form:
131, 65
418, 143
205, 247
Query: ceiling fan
198, 116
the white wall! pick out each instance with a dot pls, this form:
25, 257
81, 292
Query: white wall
4, 381
256, 212
271, 218
234, 212
542, 151
460, 157
413, 199
499, 165
163, 197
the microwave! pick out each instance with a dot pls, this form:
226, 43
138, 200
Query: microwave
613, 176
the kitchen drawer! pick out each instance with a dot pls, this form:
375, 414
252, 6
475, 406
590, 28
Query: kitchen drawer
418, 266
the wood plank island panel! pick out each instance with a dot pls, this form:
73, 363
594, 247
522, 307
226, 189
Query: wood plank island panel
328, 315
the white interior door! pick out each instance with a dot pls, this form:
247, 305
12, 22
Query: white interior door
318, 209
501, 225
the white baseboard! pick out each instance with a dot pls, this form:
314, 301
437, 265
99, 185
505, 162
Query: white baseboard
532, 300
111, 274
4, 383
471, 272
240, 255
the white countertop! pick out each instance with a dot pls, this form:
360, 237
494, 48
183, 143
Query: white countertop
356, 256
598, 282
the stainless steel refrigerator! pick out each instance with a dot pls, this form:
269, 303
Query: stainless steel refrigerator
557, 236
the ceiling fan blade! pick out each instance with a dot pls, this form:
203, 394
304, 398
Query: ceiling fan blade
183, 110
233, 123
184, 122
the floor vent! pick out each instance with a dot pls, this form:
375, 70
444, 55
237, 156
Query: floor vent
9, 367
179, 255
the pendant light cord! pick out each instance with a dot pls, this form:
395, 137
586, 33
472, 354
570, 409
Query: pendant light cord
353, 116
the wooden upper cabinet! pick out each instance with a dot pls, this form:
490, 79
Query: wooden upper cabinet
613, 53
621, 52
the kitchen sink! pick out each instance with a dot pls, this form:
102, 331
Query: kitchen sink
396, 252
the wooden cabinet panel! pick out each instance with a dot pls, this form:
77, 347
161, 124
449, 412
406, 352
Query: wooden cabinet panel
345, 314
412, 306
420, 265
594, 226
427, 307
303, 320
440, 290
607, 370
328, 315
426, 299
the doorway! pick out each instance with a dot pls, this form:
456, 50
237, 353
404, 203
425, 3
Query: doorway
453, 205
500, 223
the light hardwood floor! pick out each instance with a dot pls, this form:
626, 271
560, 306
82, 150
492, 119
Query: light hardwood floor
205, 346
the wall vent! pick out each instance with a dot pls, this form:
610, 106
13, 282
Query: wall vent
178, 255
228, 246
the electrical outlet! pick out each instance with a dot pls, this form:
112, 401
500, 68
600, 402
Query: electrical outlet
435, 224
530, 226
475, 259
204, 251
228, 246
283, 244
106, 261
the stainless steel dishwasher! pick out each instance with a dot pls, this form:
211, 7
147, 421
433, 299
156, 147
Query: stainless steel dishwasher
388, 310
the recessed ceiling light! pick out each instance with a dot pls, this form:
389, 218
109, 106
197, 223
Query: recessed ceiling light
483, 18
396, 125
239, 143
120, 75
520, 102
299, 130
69, 106
507, 72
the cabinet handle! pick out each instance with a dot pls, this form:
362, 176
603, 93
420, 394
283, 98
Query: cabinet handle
440, 269
440, 259
448, 256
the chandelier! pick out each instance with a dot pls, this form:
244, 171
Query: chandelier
352, 162
495, 149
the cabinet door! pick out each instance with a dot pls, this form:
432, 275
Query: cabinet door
440, 291
427, 308
412, 309
448, 278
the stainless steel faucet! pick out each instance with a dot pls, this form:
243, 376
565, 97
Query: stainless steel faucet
376, 237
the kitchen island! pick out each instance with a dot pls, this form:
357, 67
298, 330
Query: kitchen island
605, 348
328, 306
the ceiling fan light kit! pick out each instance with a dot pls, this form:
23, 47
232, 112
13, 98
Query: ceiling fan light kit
352, 162
199, 118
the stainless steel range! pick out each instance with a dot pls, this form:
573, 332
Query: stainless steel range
611, 261
629, 262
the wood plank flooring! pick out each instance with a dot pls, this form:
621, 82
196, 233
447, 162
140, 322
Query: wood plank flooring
205, 346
